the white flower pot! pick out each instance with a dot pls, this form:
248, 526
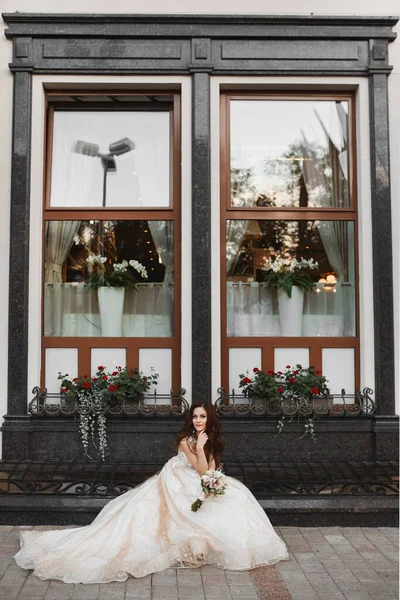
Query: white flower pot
291, 312
111, 305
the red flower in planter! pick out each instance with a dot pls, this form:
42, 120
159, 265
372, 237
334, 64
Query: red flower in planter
270, 372
255, 370
246, 380
86, 385
112, 388
288, 366
280, 389
100, 368
75, 379
104, 377
279, 373
292, 380
315, 391
95, 378
318, 372
296, 372
63, 390
114, 373
85, 376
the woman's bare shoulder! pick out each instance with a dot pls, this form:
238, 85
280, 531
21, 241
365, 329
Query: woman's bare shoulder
183, 443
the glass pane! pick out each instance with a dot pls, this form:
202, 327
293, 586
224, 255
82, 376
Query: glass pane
79, 265
254, 308
105, 158
289, 153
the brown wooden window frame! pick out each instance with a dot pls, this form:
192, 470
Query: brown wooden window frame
227, 212
170, 213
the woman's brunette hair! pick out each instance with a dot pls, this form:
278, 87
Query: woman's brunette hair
215, 443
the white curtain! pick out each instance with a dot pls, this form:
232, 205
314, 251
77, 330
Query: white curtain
71, 178
335, 235
252, 310
163, 236
59, 236
235, 232
71, 310
71, 173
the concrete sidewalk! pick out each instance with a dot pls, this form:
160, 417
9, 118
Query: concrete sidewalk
327, 563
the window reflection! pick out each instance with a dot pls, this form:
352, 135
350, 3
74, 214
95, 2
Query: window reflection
252, 308
71, 307
110, 158
290, 153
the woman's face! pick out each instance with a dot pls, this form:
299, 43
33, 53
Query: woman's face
199, 419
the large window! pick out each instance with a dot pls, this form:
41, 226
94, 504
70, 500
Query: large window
288, 192
112, 210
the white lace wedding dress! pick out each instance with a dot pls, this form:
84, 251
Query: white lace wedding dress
152, 527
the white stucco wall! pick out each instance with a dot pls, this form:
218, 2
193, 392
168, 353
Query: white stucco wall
339, 7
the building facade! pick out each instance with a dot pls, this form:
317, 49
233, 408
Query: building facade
224, 141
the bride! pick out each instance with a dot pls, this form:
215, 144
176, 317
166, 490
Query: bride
151, 527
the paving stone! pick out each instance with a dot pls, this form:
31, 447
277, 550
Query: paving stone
333, 596
343, 575
90, 590
334, 540
191, 591
160, 591
357, 564
141, 592
367, 576
214, 578
355, 596
301, 596
380, 564
214, 592
189, 578
112, 591
322, 583
32, 593
309, 563
9, 592
378, 590
389, 575
160, 579
290, 530
243, 591
239, 578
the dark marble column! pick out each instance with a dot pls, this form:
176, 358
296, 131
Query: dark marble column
19, 246
382, 245
201, 238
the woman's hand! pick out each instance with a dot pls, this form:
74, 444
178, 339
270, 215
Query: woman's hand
202, 439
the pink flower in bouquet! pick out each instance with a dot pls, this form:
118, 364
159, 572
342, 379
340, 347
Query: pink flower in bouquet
213, 483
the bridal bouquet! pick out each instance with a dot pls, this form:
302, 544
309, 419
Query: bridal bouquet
213, 483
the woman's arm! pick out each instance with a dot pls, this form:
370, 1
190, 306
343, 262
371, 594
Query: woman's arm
199, 460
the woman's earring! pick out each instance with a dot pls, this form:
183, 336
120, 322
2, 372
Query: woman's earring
192, 429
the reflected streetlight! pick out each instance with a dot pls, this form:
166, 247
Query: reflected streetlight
107, 160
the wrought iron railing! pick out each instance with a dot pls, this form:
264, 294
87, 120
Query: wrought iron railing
360, 404
46, 404
263, 479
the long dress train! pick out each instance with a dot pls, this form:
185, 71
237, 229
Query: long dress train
152, 527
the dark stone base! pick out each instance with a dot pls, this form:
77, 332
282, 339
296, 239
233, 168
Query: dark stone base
307, 511
149, 439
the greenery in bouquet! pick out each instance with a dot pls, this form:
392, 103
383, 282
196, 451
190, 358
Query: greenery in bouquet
93, 395
297, 384
284, 273
102, 272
